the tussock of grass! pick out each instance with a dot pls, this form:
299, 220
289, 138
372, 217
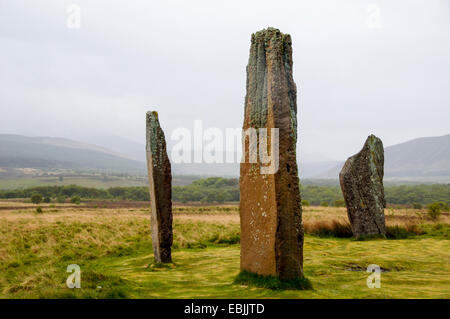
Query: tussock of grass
403, 232
328, 228
271, 282
342, 229
438, 230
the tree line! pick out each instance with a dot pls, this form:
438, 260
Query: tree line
219, 190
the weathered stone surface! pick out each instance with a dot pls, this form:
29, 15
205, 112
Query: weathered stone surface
160, 181
361, 181
270, 205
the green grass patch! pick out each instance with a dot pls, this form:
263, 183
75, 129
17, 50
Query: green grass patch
271, 282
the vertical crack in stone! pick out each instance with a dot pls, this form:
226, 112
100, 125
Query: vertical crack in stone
160, 186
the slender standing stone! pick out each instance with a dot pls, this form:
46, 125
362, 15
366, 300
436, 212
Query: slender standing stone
160, 181
270, 205
361, 181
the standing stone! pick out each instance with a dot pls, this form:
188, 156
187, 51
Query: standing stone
160, 181
361, 181
270, 205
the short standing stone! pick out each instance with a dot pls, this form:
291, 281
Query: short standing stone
361, 181
270, 205
160, 181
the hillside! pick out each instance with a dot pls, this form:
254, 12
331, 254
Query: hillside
421, 159
57, 153
427, 156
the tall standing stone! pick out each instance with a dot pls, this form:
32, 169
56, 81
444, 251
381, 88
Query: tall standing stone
270, 205
160, 181
361, 181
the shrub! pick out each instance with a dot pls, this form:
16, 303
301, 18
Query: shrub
47, 199
39, 210
414, 229
402, 232
36, 198
417, 206
396, 232
434, 211
324, 204
75, 200
305, 202
444, 206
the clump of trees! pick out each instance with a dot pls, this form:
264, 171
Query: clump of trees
414, 195
434, 211
75, 200
60, 194
36, 198
218, 190
214, 189
418, 194
318, 195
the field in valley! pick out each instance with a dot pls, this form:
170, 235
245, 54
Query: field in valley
112, 246
86, 180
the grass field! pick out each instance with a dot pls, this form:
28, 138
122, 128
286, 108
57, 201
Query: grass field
113, 248
86, 180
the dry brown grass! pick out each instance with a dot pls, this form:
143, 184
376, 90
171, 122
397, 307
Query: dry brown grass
313, 217
334, 228
327, 221
333, 221
398, 216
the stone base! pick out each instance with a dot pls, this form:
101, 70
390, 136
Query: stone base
166, 255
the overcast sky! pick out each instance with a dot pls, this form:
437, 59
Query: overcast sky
361, 67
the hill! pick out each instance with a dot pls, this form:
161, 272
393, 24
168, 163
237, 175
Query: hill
50, 153
424, 159
421, 159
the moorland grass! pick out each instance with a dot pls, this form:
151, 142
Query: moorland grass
113, 249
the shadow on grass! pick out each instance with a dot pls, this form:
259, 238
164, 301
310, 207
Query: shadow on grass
272, 282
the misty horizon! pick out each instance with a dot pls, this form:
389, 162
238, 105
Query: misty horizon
119, 150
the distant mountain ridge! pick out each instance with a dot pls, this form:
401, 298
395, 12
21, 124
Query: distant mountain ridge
18, 151
422, 159
425, 158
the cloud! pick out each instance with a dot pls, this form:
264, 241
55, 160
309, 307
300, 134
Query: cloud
187, 60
